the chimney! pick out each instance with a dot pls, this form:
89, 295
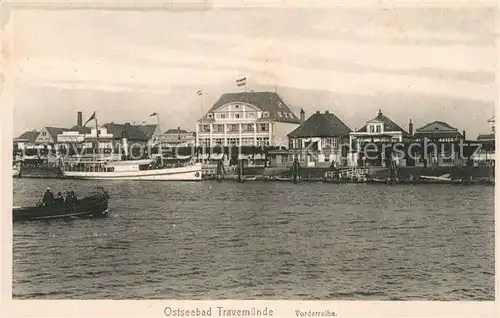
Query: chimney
410, 128
379, 112
79, 119
464, 135
318, 112
302, 116
327, 112
179, 133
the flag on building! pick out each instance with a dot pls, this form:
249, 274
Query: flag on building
153, 114
241, 82
91, 118
200, 92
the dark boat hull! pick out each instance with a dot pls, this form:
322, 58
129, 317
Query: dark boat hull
93, 206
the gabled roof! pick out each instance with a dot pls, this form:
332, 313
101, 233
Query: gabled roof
440, 125
54, 131
132, 132
389, 125
176, 131
321, 125
267, 101
29, 136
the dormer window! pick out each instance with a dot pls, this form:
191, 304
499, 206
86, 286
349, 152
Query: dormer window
285, 114
372, 129
265, 114
379, 128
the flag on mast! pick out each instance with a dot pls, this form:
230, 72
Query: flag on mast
200, 92
241, 82
91, 118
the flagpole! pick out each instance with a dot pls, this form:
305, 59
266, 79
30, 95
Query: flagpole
97, 133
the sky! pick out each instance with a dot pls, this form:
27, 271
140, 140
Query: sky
414, 62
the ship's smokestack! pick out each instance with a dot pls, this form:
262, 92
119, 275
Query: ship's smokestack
465, 138
79, 119
410, 128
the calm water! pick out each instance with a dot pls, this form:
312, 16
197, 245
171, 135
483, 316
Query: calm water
261, 241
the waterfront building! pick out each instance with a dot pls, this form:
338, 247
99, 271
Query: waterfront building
113, 138
446, 139
379, 130
486, 155
47, 138
26, 140
176, 138
246, 119
318, 140
490, 135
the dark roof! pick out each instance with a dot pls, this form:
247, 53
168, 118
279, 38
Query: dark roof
486, 137
132, 132
54, 131
29, 136
389, 125
81, 129
148, 130
176, 131
266, 101
321, 125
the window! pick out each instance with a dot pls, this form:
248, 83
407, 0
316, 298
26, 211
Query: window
372, 128
285, 114
379, 128
205, 142
210, 115
222, 116
262, 141
204, 128
250, 115
248, 128
246, 141
218, 128
44, 133
233, 128
280, 104
237, 116
233, 142
279, 114
265, 114
218, 141
263, 127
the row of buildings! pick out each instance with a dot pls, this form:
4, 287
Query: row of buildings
264, 120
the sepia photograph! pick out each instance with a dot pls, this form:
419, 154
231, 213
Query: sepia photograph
203, 151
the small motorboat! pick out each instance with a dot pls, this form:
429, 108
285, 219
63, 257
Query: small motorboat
94, 206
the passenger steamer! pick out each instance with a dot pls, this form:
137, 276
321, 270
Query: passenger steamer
144, 169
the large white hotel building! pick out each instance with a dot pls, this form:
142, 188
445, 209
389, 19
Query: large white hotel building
246, 119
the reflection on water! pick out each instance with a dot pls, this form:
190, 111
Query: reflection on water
261, 241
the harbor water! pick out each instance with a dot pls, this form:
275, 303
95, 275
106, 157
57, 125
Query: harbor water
258, 240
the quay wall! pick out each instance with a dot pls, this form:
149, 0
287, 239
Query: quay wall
380, 172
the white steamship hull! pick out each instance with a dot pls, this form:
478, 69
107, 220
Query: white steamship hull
185, 173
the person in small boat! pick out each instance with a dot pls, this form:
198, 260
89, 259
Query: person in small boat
48, 198
73, 197
59, 199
